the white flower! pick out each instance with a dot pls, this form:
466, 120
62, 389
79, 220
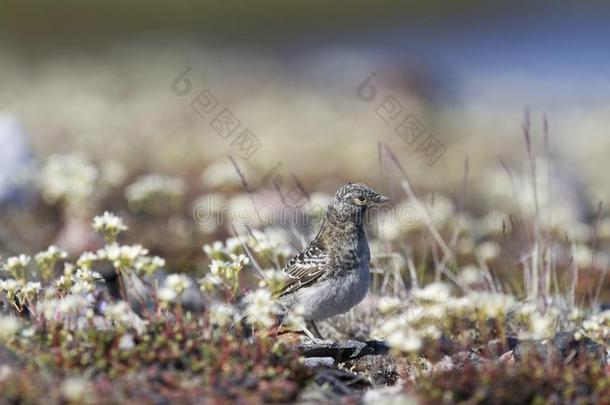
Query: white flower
388, 227
48, 258
166, 294
147, 266
260, 308
438, 207
269, 243
210, 283
88, 275
233, 245
316, 204
399, 335
591, 325
492, 223
221, 173
274, 280
74, 389
8, 327
73, 304
108, 224
208, 211
178, 283
488, 250
64, 283
541, 326
122, 315
413, 314
435, 292
152, 192
242, 211
405, 340
48, 307
216, 267
215, 250
28, 332
470, 275
126, 342
10, 287
229, 271
113, 173
583, 255
493, 304
81, 287
223, 315
387, 305
16, 264
29, 291
123, 256
67, 177
86, 260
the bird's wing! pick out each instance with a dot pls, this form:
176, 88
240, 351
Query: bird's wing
303, 269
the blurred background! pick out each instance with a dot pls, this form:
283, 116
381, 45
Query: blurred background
135, 107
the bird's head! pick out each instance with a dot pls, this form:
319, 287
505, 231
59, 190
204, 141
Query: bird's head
352, 200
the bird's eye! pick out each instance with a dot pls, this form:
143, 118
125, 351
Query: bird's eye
359, 200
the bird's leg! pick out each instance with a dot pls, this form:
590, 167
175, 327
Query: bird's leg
311, 326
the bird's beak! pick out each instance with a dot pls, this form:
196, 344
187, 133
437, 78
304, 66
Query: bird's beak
380, 199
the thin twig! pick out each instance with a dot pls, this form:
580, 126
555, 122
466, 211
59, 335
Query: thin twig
244, 246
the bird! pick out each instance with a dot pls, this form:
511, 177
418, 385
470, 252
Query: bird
331, 274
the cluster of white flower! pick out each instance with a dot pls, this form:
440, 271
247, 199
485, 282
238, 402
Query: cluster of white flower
433, 292
69, 177
224, 272
47, 259
208, 211
487, 251
86, 260
470, 275
78, 280
261, 310
84, 279
435, 208
28, 292
400, 336
273, 280
109, 225
121, 315
222, 173
153, 192
220, 251
69, 298
178, 283
223, 315
147, 265
175, 285
387, 305
8, 327
433, 308
16, 266
122, 257
316, 205
243, 211
11, 289
270, 243
68, 307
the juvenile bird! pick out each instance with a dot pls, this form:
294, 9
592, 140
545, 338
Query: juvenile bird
331, 275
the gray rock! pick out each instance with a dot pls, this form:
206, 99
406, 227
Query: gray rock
563, 346
343, 351
313, 362
341, 382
